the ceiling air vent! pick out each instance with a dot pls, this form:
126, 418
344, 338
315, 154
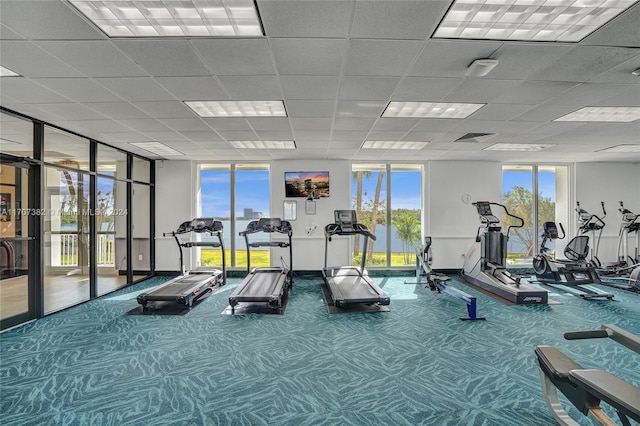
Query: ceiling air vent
474, 137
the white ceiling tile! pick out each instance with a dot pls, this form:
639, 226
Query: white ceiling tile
450, 58
144, 124
7, 33
97, 58
350, 135
100, 126
29, 60
311, 124
75, 110
235, 56
353, 123
305, 108
545, 113
397, 19
193, 88
165, 109
269, 123
533, 92
349, 109
124, 137
135, 88
47, 20
316, 135
385, 136
28, 91
309, 87
169, 138
201, 136
237, 135
437, 124
116, 110
380, 57
327, 19
480, 91
181, 124
79, 89
499, 112
391, 124
368, 88
620, 73
275, 135
251, 87
308, 56
345, 144
592, 94
425, 89
584, 63
516, 61
163, 57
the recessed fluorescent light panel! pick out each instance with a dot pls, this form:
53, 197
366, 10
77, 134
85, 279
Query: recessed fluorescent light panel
157, 148
516, 147
6, 72
540, 20
619, 114
172, 18
393, 145
263, 144
622, 148
430, 109
238, 108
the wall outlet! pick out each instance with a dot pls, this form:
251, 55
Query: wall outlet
140, 257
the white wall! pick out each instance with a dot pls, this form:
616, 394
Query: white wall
175, 198
611, 183
308, 250
450, 221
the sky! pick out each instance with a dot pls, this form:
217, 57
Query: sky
546, 181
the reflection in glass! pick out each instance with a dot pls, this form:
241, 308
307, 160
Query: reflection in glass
141, 170
14, 249
16, 136
111, 227
112, 162
65, 149
141, 243
66, 238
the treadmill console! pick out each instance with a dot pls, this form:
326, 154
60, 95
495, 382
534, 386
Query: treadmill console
484, 210
205, 224
268, 224
346, 220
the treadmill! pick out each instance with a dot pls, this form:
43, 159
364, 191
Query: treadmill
190, 286
350, 285
268, 285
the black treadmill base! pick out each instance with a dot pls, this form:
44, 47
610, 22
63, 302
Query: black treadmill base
262, 308
169, 308
351, 308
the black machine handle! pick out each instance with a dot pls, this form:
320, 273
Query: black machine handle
587, 334
335, 229
593, 219
518, 218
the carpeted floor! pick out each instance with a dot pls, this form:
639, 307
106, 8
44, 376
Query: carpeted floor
415, 365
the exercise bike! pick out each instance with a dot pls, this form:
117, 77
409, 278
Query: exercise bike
575, 272
630, 224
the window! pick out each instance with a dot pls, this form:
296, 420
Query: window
235, 202
388, 200
537, 193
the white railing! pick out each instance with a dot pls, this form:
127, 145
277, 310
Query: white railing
68, 253
105, 250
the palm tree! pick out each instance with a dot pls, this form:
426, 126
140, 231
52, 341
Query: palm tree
408, 228
374, 213
358, 175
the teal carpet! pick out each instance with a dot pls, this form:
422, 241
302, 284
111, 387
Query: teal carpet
415, 365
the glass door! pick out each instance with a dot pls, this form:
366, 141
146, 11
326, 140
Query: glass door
16, 241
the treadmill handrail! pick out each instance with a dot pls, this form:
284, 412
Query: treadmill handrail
335, 229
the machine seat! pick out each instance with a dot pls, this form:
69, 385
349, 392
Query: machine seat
577, 249
555, 364
621, 395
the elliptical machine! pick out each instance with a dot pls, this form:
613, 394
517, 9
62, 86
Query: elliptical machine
591, 224
630, 224
575, 272
485, 262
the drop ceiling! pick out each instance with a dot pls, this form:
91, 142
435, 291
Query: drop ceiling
336, 65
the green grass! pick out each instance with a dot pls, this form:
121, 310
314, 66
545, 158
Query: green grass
262, 258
